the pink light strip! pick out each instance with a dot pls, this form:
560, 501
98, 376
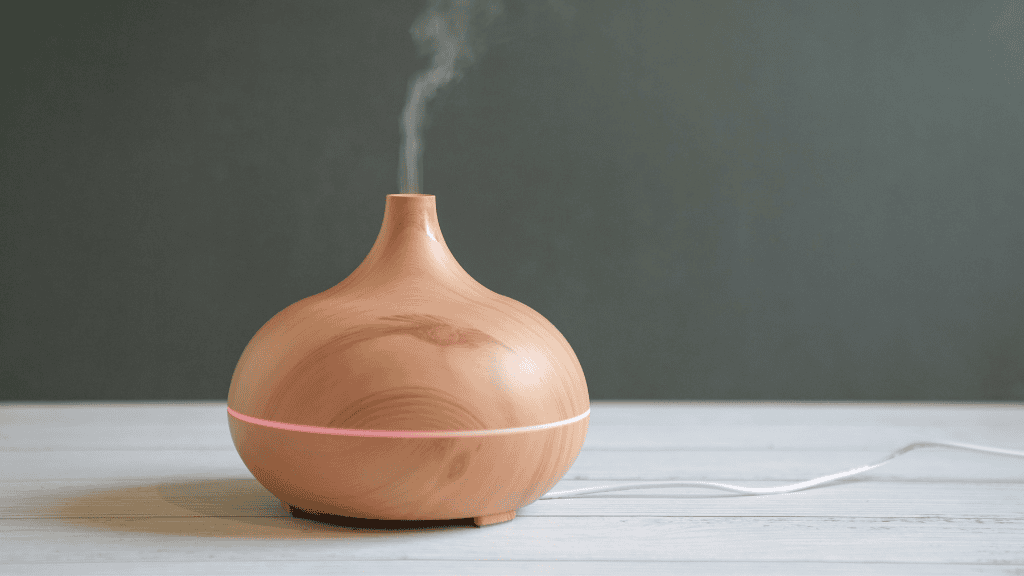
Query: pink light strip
398, 433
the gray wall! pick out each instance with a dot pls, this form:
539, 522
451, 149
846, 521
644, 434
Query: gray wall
785, 200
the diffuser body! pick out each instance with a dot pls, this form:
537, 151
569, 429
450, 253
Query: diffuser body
408, 391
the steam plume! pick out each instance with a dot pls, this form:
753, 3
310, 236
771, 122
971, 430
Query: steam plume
445, 31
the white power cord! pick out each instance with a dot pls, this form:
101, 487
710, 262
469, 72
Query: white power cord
789, 487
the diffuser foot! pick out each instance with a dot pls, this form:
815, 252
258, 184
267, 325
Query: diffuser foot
494, 518
379, 524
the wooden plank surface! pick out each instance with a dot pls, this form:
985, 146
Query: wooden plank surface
612, 465
513, 568
557, 538
158, 488
238, 497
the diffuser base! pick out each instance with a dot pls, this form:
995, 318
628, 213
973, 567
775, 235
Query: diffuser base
352, 522
494, 518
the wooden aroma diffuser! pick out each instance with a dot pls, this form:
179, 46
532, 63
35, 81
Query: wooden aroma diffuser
408, 391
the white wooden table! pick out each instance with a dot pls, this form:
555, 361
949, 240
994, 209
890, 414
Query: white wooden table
159, 489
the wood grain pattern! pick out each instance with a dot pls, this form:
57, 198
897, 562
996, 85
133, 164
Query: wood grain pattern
408, 478
409, 341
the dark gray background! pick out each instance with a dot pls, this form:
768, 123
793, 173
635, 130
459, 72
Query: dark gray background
718, 200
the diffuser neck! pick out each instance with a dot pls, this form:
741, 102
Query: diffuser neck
409, 218
409, 249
